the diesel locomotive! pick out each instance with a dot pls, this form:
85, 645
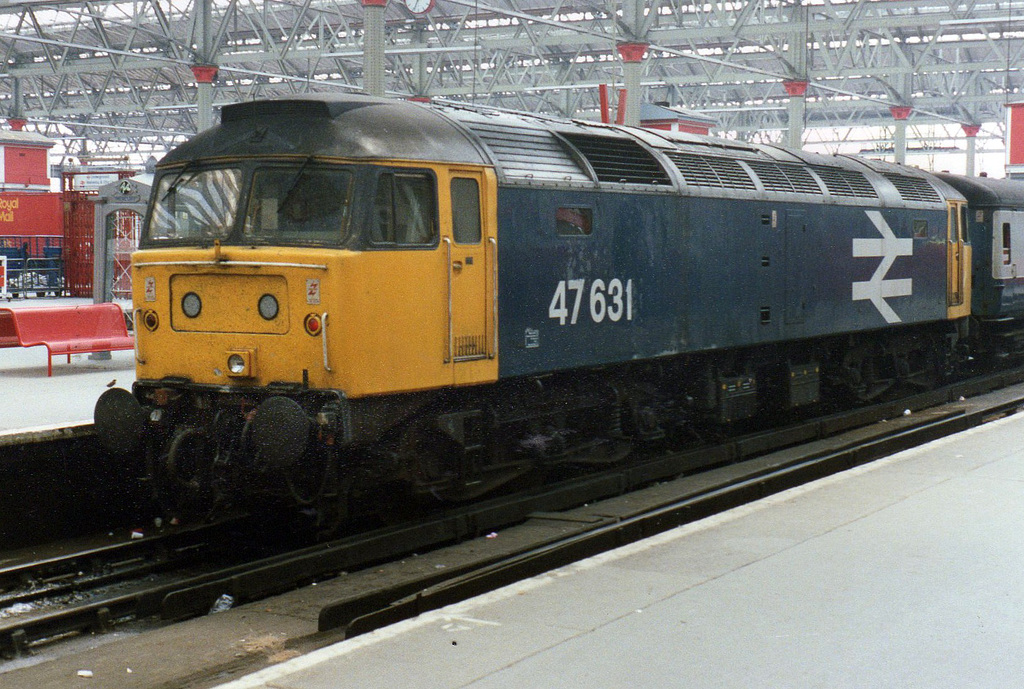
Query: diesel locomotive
344, 300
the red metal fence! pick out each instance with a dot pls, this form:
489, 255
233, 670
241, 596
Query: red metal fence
79, 232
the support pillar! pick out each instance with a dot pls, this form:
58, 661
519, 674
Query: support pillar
204, 74
797, 111
900, 113
632, 55
205, 71
971, 132
373, 46
17, 119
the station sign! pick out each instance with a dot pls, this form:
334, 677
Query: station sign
91, 181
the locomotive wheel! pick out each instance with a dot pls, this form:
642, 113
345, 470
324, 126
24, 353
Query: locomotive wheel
859, 374
438, 468
183, 474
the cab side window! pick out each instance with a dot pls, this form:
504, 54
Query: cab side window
574, 222
404, 210
465, 211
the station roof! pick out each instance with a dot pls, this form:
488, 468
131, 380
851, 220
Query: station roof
106, 73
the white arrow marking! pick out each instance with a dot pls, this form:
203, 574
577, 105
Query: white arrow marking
888, 248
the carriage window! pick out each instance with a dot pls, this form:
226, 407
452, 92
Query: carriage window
303, 205
921, 228
404, 209
199, 205
1007, 258
574, 222
465, 211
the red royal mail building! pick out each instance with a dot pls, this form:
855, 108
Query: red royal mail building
27, 207
31, 215
23, 161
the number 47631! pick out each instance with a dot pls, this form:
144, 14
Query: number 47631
612, 300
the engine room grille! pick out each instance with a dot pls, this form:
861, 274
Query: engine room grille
783, 177
913, 188
619, 160
710, 171
841, 182
528, 153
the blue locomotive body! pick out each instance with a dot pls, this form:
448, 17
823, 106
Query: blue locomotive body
658, 273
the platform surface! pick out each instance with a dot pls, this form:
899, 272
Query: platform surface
903, 573
30, 400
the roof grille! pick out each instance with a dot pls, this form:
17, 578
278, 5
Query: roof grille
913, 188
528, 153
842, 182
619, 160
710, 171
237, 112
784, 177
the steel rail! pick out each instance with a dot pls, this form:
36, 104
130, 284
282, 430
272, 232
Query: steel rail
101, 565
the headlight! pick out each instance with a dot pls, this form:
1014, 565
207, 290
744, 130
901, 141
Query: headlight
191, 304
241, 363
268, 307
236, 364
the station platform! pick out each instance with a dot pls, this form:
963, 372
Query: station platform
32, 401
901, 573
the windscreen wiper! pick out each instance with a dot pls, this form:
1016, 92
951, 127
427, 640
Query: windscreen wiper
178, 179
286, 200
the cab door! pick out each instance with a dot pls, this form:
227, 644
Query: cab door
957, 261
468, 234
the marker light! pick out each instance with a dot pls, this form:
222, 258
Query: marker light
268, 307
150, 320
236, 364
313, 324
191, 304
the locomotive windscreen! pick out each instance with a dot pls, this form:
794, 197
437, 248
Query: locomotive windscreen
200, 204
299, 204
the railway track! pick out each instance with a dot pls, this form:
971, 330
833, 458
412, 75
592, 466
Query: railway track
743, 469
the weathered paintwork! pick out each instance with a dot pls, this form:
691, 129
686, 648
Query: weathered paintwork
706, 274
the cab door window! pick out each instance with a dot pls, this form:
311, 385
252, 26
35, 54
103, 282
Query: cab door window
404, 210
465, 211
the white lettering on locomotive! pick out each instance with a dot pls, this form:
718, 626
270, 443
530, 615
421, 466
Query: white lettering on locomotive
888, 248
611, 300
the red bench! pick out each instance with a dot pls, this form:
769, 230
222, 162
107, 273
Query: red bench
66, 329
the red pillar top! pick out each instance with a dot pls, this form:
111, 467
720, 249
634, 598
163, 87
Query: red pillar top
419, 99
374, 3
795, 87
971, 130
17, 123
632, 52
900, 112
204, 74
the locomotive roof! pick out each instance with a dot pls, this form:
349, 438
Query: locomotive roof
986, 191
538, 150
348, 126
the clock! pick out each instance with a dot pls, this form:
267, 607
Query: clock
419, 6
